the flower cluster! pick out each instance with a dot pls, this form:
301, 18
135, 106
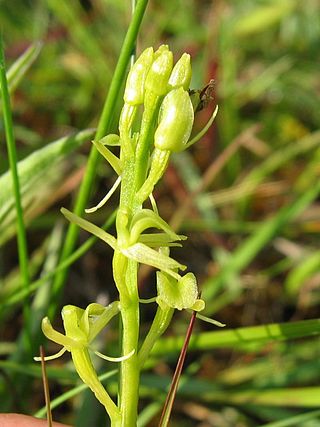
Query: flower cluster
161, 89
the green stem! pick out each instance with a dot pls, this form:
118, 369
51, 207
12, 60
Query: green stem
21, 232
143, 146
129, 385
104, 127
129, 374
159, 325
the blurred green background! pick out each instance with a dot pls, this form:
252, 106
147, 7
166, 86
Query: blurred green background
247, 195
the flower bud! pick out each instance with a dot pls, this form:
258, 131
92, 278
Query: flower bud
161, 49
134, 90
176, 121
181, 73
159, 73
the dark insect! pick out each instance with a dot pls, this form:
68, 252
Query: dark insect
201, 98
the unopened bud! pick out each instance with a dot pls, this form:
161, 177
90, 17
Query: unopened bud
159, 73
176, 121
134, 90
181, 73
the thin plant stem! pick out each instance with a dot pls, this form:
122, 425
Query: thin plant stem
104, 127
46, 387
164, 421
12, 155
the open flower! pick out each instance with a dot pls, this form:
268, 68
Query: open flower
81, 327
138, 246
179, 293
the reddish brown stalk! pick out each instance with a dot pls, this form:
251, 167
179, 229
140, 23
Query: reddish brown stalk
164, 420
45, 387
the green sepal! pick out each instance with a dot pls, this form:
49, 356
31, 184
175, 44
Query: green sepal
127, 116
91, 228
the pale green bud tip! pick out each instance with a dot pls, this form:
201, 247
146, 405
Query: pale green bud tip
159, 73
176, 121
134, 90
162, 48
181, 73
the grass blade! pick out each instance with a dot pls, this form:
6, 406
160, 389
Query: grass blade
22, 240
241, 338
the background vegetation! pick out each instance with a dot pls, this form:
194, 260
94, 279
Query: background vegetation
247, 195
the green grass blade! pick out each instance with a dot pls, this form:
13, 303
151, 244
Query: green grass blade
263, 17
245, 253
240, 338
19, 68
22, 240
304, 269
37, 172
296, 420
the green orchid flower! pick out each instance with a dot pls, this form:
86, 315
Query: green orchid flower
137, 250
81, 327
179, 293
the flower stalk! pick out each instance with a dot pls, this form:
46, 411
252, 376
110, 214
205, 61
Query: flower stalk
160, 91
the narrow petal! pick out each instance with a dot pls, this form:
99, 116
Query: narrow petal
52, 357
114, 359
106, 197
212, 321
159, 239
